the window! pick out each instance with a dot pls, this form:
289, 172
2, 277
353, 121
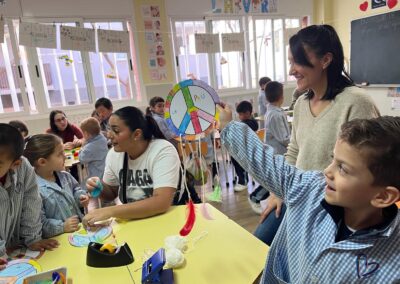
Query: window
266, 41
188, 62
229, 68
12, 69
110, 71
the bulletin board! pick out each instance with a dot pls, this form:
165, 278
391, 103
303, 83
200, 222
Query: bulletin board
153, 41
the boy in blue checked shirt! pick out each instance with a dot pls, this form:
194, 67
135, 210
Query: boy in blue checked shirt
20, 201
342, 225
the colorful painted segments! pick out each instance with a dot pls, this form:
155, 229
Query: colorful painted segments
190, 108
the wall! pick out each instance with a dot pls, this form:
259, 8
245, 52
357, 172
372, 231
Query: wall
342, 12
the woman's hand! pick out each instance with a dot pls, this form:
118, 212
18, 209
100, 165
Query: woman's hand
96, 215
273, 202
44, 244
69, 146
92, 183
71, 224
225, 115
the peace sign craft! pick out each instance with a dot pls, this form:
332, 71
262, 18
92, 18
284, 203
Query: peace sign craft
190, 108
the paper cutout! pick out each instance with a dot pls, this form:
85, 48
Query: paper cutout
207, 43
190, 108
113, 41
233, 42
37, 35
391, 3
24, 252
83, 238
80, 39
20, 268
364, 6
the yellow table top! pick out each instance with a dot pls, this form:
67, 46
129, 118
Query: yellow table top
226, 253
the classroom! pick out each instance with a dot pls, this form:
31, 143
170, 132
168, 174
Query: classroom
136, 164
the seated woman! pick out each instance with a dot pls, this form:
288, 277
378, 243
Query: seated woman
70, 134
142, 168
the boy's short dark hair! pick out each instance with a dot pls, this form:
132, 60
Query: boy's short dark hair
378, 139
263, 81
20, 125
11, 140
244, 106
273, 91
103, 102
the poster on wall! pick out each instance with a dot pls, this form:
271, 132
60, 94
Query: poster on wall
244, 6
393, 92
396, 104
157, 62
37, 35
80, 39
207, 43
232, 42
1, 31
113, 41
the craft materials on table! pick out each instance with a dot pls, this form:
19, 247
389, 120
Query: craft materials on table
19, 269
82, 238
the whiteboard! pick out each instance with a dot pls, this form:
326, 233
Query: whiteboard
80, 39
37, 35
113, 41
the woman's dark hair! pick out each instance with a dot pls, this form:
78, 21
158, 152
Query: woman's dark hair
153, 102
322, 39
53, 125
41, 146
20, 125
134, 119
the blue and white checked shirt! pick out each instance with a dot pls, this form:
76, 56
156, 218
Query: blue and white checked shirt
304, 249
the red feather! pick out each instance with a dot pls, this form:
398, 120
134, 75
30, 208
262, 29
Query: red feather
187, 228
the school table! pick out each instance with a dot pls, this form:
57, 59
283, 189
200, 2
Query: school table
223, 253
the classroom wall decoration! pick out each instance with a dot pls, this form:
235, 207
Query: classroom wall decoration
244, 6
377, 3
37, 35
207, 43
190, 108
113, 41
232, 42
154, 41
80, 39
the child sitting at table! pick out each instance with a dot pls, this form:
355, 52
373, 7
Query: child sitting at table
244, 110
93, 152
60, 192
341, 225
19, 198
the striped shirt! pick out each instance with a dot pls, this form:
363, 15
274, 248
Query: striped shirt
304, 249
20, 208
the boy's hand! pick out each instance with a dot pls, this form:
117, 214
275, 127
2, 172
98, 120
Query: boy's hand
44, 244
84, 200
71, 224
273, 202
91, 183
225, 115
3, 263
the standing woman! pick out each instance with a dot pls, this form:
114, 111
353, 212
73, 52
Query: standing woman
142, 169
70, 134
317, 62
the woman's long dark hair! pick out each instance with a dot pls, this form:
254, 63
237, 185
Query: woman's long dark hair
322, 39
134, 119
53, 125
